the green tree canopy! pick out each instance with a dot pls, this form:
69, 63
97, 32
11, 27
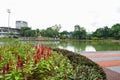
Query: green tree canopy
116, 31
102, 32
79, 32
51, 31
24, 31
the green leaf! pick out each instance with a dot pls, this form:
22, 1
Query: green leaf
1, 76
17, 78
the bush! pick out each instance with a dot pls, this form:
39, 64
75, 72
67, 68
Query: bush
83, 68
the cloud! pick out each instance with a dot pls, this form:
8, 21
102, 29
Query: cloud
90, 14
118, 10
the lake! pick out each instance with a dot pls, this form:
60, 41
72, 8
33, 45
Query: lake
83, 46
80, 46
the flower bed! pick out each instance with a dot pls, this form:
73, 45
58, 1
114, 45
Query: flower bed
83, 68
25, 62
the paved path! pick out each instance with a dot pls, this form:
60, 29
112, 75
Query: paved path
109, 60
111, 75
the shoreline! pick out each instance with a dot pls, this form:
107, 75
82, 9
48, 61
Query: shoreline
74, 40
100, 52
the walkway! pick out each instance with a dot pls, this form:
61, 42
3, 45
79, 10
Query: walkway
109, 60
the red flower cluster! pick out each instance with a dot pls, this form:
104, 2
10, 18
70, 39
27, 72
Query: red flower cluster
6, 67
20, 63
41, 51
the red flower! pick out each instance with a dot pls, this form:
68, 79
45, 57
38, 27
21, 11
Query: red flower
20, 63
39, 56
18, 57
35, 59
7, 66
4, 71
27, 58
38, 51
43, 49
37, 46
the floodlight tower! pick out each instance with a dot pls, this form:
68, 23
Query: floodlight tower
8, 11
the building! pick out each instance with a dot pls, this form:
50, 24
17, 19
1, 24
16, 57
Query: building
20, 24
5, 31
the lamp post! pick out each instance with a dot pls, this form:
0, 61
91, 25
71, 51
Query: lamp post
8, 11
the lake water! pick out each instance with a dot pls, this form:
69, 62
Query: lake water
84, 46
81, 46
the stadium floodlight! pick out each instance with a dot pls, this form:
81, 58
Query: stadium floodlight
8, 11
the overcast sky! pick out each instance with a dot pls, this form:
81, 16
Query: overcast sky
41, 14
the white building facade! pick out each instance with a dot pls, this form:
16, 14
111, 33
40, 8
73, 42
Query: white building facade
20, 24
5, 31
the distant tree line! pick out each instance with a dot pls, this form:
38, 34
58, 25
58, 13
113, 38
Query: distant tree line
78, 33
28, 32
105, 33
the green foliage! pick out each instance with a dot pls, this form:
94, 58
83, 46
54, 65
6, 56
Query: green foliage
83, 68
24, 31
102, 33
79, 32
106, 33
37, 32
52, 32
24, 61
28, 32
116, 31
64, 35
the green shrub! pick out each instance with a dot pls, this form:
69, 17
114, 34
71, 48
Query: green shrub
83, 68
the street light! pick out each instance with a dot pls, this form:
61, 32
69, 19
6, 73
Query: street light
8, 11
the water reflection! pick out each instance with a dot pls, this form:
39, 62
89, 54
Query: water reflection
70, 48
90, 49
88, 46
1, 43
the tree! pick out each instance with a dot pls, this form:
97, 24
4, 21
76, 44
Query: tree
102, 33
37, 32
98, 33
116, 31
106, 32
43, 33
24, 31
51, 31
56, 27
79, 32
64, 34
